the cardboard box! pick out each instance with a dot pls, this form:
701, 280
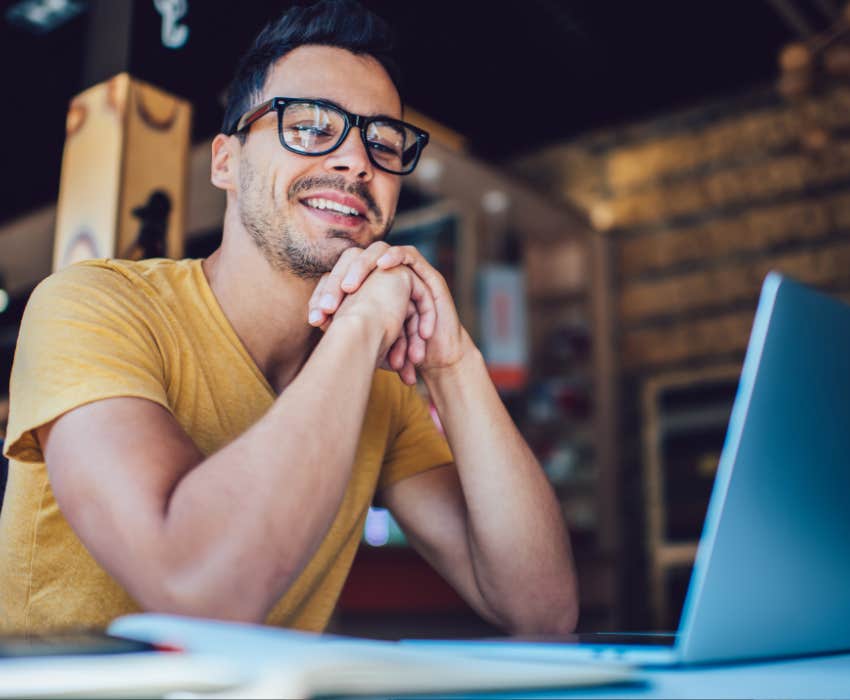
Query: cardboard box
126, 140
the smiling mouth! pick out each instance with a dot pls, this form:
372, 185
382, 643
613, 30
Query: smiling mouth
326, 205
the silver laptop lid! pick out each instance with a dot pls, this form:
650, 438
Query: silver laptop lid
772, 573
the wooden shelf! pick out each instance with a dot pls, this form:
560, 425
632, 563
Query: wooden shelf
676, 554
668, 419
570, 288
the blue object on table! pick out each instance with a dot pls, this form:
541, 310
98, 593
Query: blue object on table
820, 677
772, 568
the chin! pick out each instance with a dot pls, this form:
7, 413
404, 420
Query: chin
318, 259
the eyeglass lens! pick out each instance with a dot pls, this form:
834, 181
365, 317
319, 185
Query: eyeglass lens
308, 127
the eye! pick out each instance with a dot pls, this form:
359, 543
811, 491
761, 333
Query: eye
385, 140
309, 129
383, 148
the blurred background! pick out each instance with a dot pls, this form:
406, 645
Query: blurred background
607, 185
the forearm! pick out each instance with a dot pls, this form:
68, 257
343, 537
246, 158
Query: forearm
518, 544
240, 526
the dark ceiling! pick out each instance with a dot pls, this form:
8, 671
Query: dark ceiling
509, 76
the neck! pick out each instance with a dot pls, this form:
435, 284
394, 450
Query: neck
266, 307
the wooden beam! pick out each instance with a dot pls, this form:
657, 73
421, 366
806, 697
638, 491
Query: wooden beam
440, 133
606, 388
753, 231
744, 185
466, 179
687, 340
732, 283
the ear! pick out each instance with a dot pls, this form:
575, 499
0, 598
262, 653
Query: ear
225, 157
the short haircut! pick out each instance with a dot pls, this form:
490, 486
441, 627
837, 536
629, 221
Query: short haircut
344, 24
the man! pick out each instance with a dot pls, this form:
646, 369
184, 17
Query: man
184, 440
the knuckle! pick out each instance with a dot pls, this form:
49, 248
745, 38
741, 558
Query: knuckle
379, 247
361, 265
348, 255
336, 274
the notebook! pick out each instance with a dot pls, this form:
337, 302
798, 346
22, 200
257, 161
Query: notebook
292, 664
772, 568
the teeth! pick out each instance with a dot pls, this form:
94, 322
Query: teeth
320, 203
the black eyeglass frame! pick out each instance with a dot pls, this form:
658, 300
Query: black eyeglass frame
278, 104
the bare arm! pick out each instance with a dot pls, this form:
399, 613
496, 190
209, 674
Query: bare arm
490, 524
495, 529
225, 535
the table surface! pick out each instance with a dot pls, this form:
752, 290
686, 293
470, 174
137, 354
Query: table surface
814, 677
825, 676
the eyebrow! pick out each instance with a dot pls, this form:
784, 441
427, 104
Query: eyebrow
373, 115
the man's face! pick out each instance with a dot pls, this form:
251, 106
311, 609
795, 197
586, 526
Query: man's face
283, 197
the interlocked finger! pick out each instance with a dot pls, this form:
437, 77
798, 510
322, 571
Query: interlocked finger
433, 280
408, 374
362, 266
327, 299
424, 300
397, 353
315, 316
415, 343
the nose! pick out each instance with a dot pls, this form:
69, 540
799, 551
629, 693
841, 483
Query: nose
350, 157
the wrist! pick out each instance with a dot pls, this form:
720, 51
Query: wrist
360, 331
469, 359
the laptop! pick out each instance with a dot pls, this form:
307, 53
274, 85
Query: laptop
772, 572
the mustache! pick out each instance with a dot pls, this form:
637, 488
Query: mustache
357, 189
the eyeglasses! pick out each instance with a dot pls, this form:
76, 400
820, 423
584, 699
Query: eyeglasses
318, 127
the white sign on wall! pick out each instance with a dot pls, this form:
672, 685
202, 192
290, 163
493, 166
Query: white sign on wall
174, 35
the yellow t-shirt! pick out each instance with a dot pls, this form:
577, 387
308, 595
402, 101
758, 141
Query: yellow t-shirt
153, 329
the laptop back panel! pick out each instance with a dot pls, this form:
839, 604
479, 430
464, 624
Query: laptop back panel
772, 572
771, 575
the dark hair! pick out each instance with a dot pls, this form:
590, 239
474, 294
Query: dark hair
345, 24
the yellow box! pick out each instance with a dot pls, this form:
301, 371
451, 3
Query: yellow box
125, 140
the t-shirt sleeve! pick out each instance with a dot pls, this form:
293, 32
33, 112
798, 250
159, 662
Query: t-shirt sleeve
83, 338
418, 445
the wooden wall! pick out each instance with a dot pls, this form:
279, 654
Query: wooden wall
695, 208
700, 205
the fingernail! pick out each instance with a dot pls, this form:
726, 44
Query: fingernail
327, 302
315, 315
385, 258
349, 281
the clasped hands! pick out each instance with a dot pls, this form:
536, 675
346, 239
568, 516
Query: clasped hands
426, 333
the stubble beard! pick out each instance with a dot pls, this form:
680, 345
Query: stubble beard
275, 235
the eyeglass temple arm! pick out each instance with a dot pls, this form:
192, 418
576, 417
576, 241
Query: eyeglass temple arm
260, 111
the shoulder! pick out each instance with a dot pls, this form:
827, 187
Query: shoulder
90, 273
101, 274
80, 289
108, 281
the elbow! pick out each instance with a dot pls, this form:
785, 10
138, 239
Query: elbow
182, 593
547, 615
565, 621
554, 622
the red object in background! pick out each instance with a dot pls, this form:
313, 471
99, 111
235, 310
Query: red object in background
397, 579
508, 377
